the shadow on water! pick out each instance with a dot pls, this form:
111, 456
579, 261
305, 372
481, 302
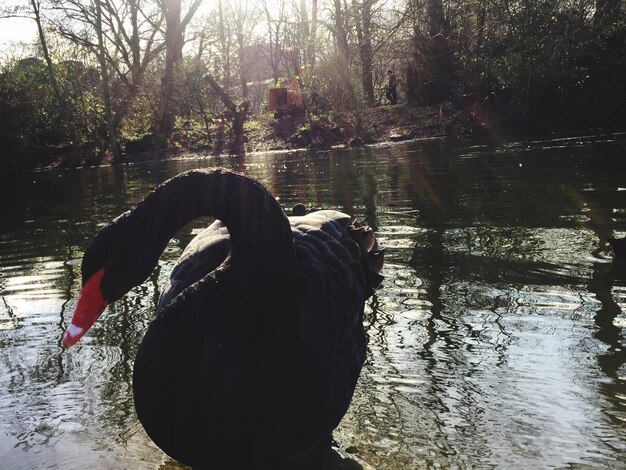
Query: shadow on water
611, 362
314, 459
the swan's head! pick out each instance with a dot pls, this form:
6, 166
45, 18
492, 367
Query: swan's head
91, 304
111, 266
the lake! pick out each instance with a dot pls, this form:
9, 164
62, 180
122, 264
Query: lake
495, 341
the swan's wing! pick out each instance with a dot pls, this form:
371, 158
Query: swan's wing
337, 225
211, 247
205, 252
331, 285
329, 271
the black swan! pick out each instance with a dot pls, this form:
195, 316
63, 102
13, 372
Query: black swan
258, 339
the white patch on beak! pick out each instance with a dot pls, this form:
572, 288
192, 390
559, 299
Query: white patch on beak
74, 330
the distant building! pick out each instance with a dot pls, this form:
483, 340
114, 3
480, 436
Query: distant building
259, 73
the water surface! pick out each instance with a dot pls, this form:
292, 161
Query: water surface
496, 340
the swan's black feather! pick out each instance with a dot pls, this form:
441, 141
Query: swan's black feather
258, 340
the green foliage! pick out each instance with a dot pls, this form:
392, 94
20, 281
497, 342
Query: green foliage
40, 128
29, 117
539, 62
190, 133
534, 62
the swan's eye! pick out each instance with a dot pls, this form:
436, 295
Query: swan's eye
108, 263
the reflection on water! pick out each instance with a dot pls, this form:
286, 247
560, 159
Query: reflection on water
496, 340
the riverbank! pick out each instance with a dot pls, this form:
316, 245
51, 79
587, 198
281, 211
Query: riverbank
369, 126
264, 132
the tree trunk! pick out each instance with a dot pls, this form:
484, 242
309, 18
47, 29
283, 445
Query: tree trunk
305, 32
46, 54
343, 66
239, 115
135, 46
239, 119
313, 36
243, 79
435, 17
341, 35
437, 54
274, 31
173, 53
106, 92
364, 33
225, 46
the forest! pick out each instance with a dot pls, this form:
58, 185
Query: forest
107, 77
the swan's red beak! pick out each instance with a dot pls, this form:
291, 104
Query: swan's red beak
91, 303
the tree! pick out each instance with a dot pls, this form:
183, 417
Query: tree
275, 36
129, 38
312, 39
244, 16
438, 56
106, 94
364, 35
126, 41
36, 6
306, 31
238, 113
340, 31
225, 45
174, 30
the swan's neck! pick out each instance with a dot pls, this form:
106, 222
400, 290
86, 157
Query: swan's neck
259, 230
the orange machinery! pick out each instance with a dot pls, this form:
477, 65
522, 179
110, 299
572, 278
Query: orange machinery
285, 99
